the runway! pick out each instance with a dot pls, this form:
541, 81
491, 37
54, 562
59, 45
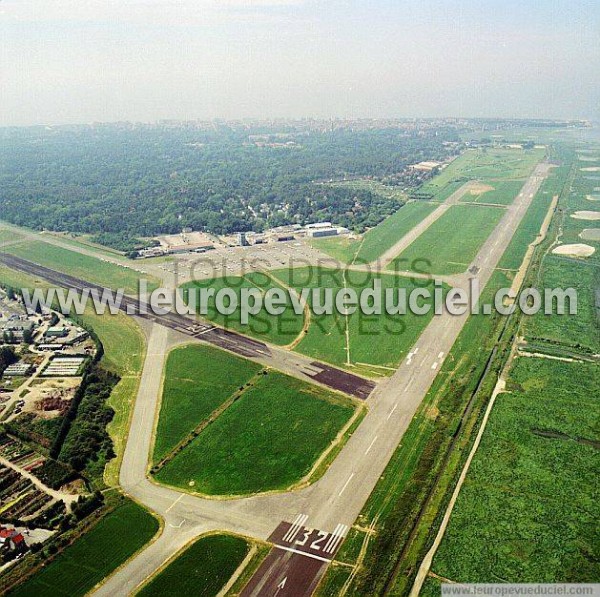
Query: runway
292, 363
331, 505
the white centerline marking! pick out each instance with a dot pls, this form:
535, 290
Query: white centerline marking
303, 553
392, 411
434, 366
173, 504
346, 484
440, 355
371, 444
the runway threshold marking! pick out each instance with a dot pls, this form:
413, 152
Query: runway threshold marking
371, 444
336, 538
303, 553
346, 484
295, 528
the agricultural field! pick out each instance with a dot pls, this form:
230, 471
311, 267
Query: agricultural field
202, 569
93, 556
500, 192
527, 510
378, 240
578, 331
198, 379
584, 196
278, 330
267, 439
79, 265
451, 243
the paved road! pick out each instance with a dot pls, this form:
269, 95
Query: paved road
333, 503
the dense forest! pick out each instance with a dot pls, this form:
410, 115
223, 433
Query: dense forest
120, 182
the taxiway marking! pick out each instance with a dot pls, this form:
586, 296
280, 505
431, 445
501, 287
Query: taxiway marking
174, 503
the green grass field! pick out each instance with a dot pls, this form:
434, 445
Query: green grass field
94, 556
495, 163
373, 342
580, 331
278, 330
528, 510
198, 379
268, 439
526, 233
202, 570
81, 266
9, 236
451, 243
377, 240
503, 193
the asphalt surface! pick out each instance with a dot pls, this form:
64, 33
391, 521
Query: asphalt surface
292, 363
330, 505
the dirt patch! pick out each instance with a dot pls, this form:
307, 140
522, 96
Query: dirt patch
591, 169
593, 197
432, 413
590, 234
479, 188
587, 158
586, 215
575, 250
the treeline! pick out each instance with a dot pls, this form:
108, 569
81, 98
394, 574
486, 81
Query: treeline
7, 357
121, 184
82, 440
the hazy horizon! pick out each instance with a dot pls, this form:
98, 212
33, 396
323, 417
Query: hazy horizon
146, 60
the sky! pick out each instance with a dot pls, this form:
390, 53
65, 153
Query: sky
78, 61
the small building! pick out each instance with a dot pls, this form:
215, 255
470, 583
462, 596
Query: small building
12, 541
318, 225
52, 347
151, 252
322, 232
242, 240
57, 332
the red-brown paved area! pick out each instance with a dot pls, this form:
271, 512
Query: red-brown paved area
286, 573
